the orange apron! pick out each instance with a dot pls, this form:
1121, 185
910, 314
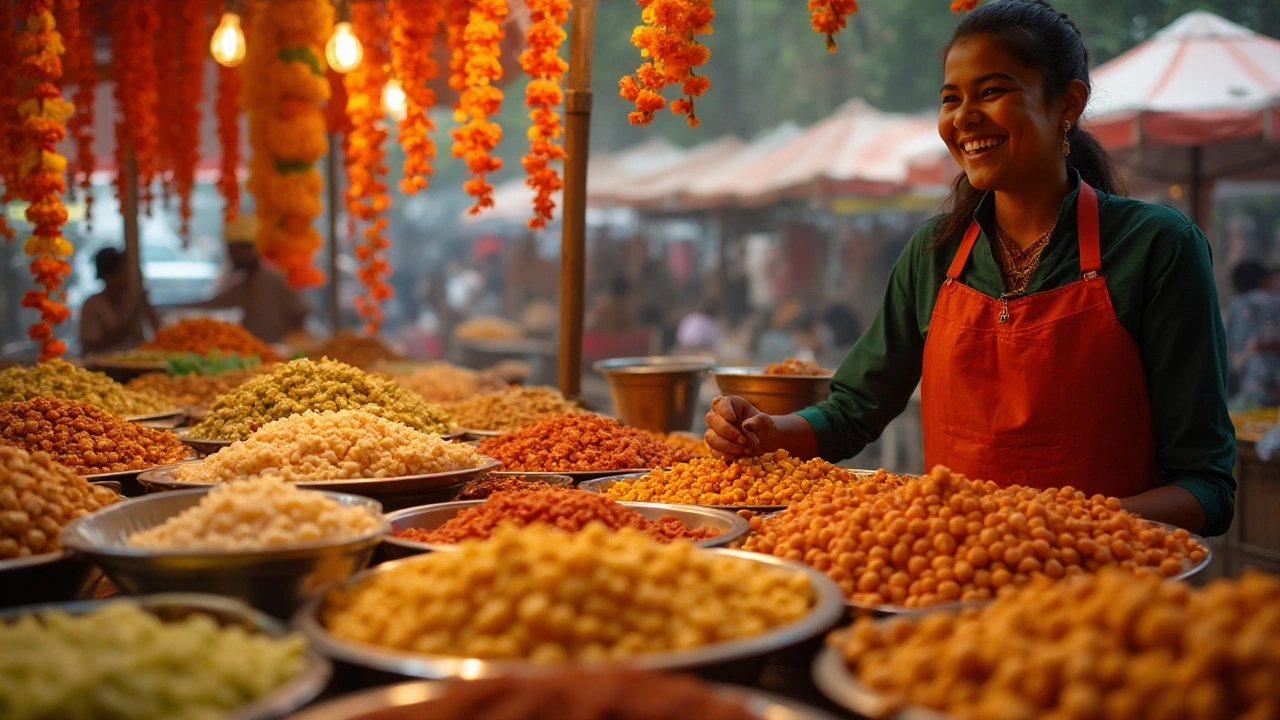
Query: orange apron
1044, 390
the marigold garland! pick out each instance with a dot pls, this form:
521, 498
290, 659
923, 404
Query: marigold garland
136, 93
227, 108
669, 39
542, 62
481, 98
10, 128
286, 80
830, 17
414, 26
81, 70
191, 49
41, 170
366, 195
958, 5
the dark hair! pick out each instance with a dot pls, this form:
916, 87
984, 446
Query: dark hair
108, 261
619, 285
1047, 40
1248, 275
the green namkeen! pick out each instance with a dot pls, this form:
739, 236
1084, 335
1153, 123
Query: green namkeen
64, 381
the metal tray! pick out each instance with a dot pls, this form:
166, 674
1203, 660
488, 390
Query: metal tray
49, 577
174, 606
275, 580
599, 485
832, 677
176, 415
406, 697
581, 477
130, 486
163, 479
430, 517
826, 611
209, 447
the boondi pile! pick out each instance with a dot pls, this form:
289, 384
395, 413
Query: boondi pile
203, 336
772, 479
86, 439
567, 443
511, 408
947, 538
301, 385
265, 512
1110, 646
60, 379
38, 497
343, 445
540, 594
562, 508
191, 390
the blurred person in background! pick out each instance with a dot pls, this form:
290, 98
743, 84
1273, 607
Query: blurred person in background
699, 331
112, 320
1253, 337
613, 310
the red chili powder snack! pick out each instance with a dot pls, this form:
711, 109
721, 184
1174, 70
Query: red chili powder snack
566, 443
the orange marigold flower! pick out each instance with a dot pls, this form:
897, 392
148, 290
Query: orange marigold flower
958, 5
669, 40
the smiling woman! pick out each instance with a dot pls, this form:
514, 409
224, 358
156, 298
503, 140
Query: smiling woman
1061, 334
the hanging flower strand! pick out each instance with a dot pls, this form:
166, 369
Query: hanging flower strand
542, 62
42, 171
669, 39
414, 26
958, 5
136, 94
10, 124
185, 152
831, 16
481, 99
81, 70
227, 108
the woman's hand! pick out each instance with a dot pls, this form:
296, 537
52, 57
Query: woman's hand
735, 428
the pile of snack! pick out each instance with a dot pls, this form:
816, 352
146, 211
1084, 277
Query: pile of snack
342, 445
203, 336
38, 497
947, 538
562, 508
488, 327
795, 366
1251, 425
769, 480
84, 438
265, 512
490, 483
301, 385
191, 390
445, 382
1104, 646
567, 443
554, 596
511, 408
353, 349
121, 661
685, 441
60, 379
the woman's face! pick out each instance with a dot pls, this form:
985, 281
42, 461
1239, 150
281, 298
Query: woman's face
995, 120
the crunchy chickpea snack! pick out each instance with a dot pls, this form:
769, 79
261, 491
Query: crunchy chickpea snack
579, 442
60, 379
38, 497
511, 408
86, 439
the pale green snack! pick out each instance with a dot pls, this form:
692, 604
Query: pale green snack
319, 385
123, 663
60, 379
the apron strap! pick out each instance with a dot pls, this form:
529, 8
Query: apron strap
1087, 230
966, 247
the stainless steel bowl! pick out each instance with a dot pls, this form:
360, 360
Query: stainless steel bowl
730, 527
600, 485
827, 610
276, 581
405, 700
655, 393
773, 394
49, 577
174, 606
832, 677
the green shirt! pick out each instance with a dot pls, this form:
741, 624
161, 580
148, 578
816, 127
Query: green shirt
1159, 272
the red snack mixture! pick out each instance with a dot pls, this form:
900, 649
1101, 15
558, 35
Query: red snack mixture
568, 510
85, 438
483, 487
567, 443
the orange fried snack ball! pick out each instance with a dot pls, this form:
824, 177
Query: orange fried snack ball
946, 538
84, 438
585, 442
203, 336
1109, 646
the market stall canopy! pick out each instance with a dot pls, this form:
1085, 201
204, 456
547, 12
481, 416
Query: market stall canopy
662, 188
714, 187
1201, 83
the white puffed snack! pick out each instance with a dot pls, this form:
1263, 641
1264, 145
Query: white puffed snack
265, 512
329, 445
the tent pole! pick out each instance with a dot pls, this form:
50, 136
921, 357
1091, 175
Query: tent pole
132, 234
574, 212
331, 187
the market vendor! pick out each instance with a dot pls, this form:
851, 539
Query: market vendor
114, 319
1061, 334
271, 309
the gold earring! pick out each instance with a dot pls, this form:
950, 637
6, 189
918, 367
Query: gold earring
1066, 144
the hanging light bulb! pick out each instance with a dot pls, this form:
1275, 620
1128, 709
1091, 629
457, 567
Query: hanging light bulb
343, 51
227, 45
393, 100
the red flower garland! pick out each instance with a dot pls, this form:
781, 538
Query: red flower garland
830, 17
136, 94
228, 111
82, 71
669, 40
958, 5
542, 62
367, 197
10, 127
481, 98
41, 170
414, 26
191, 48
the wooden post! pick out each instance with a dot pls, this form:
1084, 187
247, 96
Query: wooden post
331, 187
574, 210
132, 235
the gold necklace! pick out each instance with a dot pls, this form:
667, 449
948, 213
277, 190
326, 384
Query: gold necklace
1016, 264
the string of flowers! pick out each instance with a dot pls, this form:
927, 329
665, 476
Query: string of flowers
41, 170
285, 83
480, 99
958, 5
136, 94
414, 26
831, 16
10, 128
542, 63
184, 153
227, 108
81, 70
669, 39
168, 57
366, 195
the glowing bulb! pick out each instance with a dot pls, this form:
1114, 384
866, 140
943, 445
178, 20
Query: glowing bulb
228, 44
343, 50
393, 100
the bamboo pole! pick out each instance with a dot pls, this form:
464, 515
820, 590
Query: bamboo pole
132, 235
331, 187
574, 210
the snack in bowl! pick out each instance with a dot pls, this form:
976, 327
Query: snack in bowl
86, 439
567, 443
60, 379
38, 497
